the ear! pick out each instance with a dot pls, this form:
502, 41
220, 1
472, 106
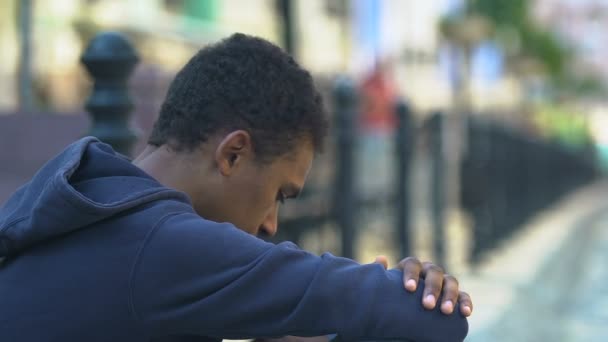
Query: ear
232, 150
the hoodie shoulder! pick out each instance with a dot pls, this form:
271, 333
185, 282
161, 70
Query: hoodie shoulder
84, 184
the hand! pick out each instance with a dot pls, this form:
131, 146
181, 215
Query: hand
435, 280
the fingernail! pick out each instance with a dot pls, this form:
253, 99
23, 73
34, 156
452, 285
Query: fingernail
411, 285
429, 300
466, 310
447, 307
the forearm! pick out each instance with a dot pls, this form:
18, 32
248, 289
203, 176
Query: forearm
274, 290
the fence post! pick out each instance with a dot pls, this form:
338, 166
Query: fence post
285, 11
110, 59
344, 197
437, 186
404, 145
476, 184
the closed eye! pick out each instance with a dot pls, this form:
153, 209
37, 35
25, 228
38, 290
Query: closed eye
281, 197
287, 192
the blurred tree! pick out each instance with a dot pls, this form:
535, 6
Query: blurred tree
532, 42
533, 53
501, 12
527, 44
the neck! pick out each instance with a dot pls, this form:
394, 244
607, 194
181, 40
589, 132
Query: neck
166, 166
190, 173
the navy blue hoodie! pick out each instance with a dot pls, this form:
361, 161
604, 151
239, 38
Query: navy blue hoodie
94, 249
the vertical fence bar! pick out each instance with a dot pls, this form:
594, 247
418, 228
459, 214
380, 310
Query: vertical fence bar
344, 198
110, 60
404, 145
285, 9
25, 86
437, 186
476, 185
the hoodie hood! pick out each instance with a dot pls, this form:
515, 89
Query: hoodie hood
86, 183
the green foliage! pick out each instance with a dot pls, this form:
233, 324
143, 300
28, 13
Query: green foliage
544, 46
533, 42
501, 12
526, 45
563, 124
588, 85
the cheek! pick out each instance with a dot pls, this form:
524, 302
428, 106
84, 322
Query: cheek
265, 205
264, 209
264, 196
254, 205
255, 196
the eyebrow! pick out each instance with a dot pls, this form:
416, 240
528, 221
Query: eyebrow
291, 190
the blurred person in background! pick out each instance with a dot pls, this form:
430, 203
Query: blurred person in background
97, 247
379, 94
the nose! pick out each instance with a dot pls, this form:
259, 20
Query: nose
270, 224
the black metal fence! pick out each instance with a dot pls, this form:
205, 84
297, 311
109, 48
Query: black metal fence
508, 176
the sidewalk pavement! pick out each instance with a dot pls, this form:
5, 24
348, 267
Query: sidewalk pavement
497, 282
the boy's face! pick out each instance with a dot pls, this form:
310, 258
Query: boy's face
249, 193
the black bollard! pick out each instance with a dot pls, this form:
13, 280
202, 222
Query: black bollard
110, 59
344, 199
404, 146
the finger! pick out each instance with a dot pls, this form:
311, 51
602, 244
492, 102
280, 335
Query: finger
411, 268
382, 260
466, 304
433, 282
450, 294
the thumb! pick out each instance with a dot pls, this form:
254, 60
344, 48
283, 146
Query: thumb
382, 260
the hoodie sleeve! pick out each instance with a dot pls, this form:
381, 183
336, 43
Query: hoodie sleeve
198, 277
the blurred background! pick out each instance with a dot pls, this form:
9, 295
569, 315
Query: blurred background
473, 133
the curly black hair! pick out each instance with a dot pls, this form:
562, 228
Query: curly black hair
242, 82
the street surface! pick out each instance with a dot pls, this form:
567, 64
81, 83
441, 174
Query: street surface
569, 299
